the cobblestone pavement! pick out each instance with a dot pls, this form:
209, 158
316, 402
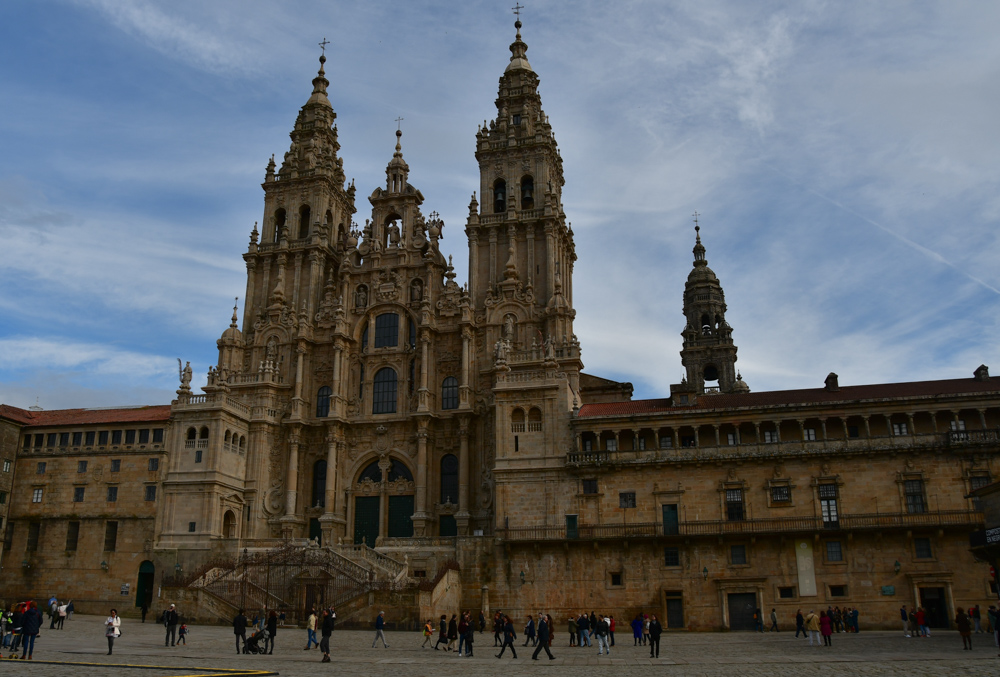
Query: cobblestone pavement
694, 655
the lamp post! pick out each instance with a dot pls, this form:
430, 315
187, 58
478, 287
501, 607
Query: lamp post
704, 572
522, 577
897, 566
104, 565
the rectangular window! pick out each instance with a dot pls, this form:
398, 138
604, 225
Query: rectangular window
809, 434
157, 435
914, 490
144, 436
81, 466
898, 429
102, 437
39, 439
517, 444
151, 493
958, 425
40, 468
197, 456
786, 593
90, 437
27, 441
50, 440
642, 443
116, 465
6, 465
110, 536
72, 535
838, 591
922, 548
852, 431
731, 439
63, 439
828, 505
36, 495
834, 551
386, 330
77, 439
78, 493
781, 494
588, 445
191, 527
154, 464
687, 441
116, 437
672, 557
616, 579
626, 499
129, 437
611, 444
590, 486
738, 554
3, 497
112, 494
666, 442
734, 505
977, 482
34, 530
770, 436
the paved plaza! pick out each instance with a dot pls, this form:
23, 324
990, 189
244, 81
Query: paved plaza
695, 654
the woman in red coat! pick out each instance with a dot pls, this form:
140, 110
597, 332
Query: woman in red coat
825, 628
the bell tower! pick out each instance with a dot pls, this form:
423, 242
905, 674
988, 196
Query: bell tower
521, 250
709, 354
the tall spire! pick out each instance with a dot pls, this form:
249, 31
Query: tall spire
699, 248
518, 48
320, 83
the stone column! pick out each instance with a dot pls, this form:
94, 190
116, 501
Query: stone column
718, 441
329, 514
868, 426
297, 286
314, 276
982, 418
422, 393
248, 299
465, 391
463, 515
420, 516
909, 423
291, 485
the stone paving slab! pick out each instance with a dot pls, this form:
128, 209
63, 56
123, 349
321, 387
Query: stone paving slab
681, 655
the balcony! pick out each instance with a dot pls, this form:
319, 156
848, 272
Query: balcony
778, 525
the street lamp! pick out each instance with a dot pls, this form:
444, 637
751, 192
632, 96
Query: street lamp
522, 577
704, 572
24, 564
897, 566
104, 565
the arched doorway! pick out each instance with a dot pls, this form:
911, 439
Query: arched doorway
144, 584
229, 525
383, 502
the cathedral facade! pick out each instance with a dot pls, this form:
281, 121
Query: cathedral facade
370, 403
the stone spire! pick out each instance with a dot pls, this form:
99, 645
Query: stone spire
518, 48
397, 171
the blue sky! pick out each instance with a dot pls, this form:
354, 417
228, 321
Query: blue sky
842, 156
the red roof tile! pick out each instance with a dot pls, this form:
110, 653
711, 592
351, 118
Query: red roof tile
846, 394
64, 417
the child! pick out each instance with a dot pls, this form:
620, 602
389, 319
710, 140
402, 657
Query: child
428, 632
182, 634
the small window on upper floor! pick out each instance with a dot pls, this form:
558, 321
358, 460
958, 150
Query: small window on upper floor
323, 402
40, 468
157, 435
6, 465
102, 437
279, 223
517, 420
957, 425
449, 393
387, 330
517, 119
116, 437
63, 439
89, 440
590, 486
384, 391
129, 437
39, 440
116, 465
852, 431
78, 493
77, 439
611, 444
899, 429
738, 554
534, 420
834, 551
81, 466
922, 548
781, 493
51, 439
154, 464
144, 436
304, 217
588, 445
27, 441
732, 439
809, 434
770, 436
626, 499
197, 455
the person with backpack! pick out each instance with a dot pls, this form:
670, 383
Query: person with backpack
428, 633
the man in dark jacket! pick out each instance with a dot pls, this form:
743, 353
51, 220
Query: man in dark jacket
583, 627
170, 619
543, 638
240, 630
655, 630
326, 630
800, 624
601, 631
31, 623
380, 630
508, 637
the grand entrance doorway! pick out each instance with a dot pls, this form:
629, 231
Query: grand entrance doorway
741, 609
935, 606
366, 519
144, 584
383, 502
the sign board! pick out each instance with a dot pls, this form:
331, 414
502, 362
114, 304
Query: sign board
125, 589
993, 536
888, 590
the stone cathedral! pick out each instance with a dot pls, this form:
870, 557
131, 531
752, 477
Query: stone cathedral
377, 432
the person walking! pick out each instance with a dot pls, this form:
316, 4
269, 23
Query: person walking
529, 631
573, 630
470, 634
543, 638
144, 609
601, 632
240, 630
800, 624
583, 627
962, 622
774, 621
905, 617
428, 633
443, 636
380, 630
611, 630
645, 629
31, 623
482, 621
452, 632
112, 629
311, 630
170, 619
508, 637
812, 627
637, 630
925, 630
976, 618
463, 629
70, 610
826, 628
655, 630
325, 630
758, 618
61, 612
271, 625
497, 629
182, 634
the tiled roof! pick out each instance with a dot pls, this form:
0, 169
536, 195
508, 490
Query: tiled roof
65, 417
846, 394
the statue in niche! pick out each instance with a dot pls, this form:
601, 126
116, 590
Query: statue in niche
271, 350
416, 291
361, 297
508, 327
393, 231
500, 351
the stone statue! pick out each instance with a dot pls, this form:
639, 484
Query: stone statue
550, 348
508, 327
185, 375
361, 297
393, 230
271, 350
416, 291
500, 351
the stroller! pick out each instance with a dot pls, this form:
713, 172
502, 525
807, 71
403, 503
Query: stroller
253, 645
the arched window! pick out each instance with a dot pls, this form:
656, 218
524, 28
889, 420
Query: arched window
384, 391
396, 471
527, 193
449, 393
499, 196
279, 223
534, 420
387, 330
203, 434
449, 479
228, 437
711, 373
323, 402
243, 443
364, 339
192, 433
517, 421
319, 484
304, 215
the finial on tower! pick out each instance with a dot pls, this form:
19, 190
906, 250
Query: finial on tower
235, 306
517, 23
699, 248
323, 45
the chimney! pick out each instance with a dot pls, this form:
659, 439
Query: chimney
982, 373
832, 383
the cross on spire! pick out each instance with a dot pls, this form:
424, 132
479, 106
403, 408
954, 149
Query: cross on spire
696, 227
323, 45
517, 10
398, 121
